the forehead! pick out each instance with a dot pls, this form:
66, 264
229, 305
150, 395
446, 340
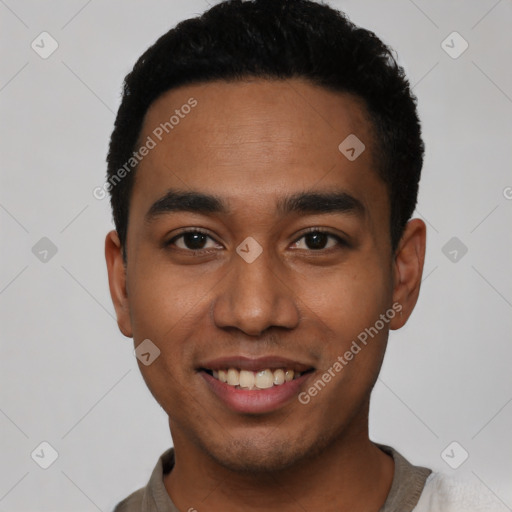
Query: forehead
238, 139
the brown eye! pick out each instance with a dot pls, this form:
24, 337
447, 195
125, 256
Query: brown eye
317, 240
194, 241
191, 240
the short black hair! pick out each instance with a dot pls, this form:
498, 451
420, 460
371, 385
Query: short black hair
278, 39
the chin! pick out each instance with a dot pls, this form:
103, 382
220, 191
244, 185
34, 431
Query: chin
246, 458
264, 455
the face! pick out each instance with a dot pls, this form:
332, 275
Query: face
257, 252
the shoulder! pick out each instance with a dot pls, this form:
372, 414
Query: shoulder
444, 493
154, 496
132, 503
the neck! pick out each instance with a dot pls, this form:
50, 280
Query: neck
352, 474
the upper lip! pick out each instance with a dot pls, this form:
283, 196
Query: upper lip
254, 364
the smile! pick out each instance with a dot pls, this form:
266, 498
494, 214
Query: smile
250, 380
254, 385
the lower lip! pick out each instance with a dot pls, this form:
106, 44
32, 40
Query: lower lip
258, 400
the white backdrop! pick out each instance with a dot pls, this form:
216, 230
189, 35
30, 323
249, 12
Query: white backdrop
68, 376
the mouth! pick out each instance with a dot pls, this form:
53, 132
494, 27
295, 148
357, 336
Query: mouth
250, 380
255, 385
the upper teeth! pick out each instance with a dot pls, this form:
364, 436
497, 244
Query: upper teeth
262, 379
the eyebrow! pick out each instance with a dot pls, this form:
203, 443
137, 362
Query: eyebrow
300, 202
321, 202
176, 201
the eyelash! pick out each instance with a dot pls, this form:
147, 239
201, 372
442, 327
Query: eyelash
340, 241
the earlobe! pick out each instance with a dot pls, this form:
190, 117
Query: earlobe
408, 270
117, 282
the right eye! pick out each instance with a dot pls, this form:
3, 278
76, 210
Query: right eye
192, 240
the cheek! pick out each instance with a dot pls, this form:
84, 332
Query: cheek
347, 300
170, 308
161, 298
163, 309
347, 307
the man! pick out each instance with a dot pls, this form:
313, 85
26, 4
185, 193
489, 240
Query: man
263, 170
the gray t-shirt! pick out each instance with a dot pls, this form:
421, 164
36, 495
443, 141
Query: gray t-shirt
406, 488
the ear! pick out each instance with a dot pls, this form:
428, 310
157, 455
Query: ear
408, 270
117, 282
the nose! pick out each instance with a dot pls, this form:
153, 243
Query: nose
254, 297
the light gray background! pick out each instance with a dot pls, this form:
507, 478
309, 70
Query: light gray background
69, 377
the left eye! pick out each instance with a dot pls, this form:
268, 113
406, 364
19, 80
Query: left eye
317, 240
